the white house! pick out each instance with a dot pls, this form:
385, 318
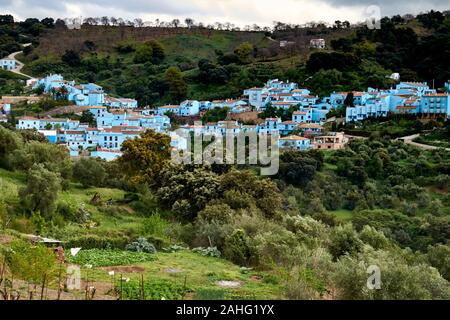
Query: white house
51, 123
121, 103
317, 43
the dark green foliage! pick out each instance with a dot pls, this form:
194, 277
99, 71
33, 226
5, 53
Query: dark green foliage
89, 172
215, 115
104, 258
41, 191
210, 73
87, 117
334, 60
237, 248
9, 142
72, 58
344, 240
299, 168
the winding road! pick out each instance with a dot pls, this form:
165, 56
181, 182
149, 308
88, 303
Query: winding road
19, 65
410, 140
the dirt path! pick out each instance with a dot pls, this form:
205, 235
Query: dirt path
410, 140
19, 65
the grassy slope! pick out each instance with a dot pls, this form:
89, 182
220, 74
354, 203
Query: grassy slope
201, 272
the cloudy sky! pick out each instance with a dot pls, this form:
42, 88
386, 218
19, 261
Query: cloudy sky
240, 12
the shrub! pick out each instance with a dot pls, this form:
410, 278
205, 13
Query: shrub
155, 225
439, 257
275, 247
237, 248
344, 240
141, 245
208, 252
89, 172
374, 238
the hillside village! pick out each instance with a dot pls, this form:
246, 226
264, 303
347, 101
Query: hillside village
118, 119
100, 201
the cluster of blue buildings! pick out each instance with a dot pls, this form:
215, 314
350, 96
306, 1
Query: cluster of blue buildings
407, 98
104, 140
89, 94
119, 119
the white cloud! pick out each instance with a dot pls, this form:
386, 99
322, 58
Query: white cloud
263, 12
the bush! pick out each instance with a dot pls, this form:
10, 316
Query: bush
439, 257
155, 225
89, 172
141, 245
344, 240
208, 252
237, 248
374, 238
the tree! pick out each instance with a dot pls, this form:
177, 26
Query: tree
144, 157
87, 117
189, 22
158, 51
349, 102
143, 54
6, 19
41, 191
298, 168
9, 142
187, 190
138, 22
439, 257
71, 58
215, 115
89, 172
105, 20
237, 248
48, 22
400, 278
53, 157
244, 52
176, 83
176, 23
344, 240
